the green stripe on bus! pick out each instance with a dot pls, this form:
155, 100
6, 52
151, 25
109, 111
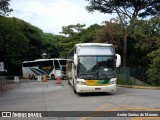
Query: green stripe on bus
103, 81
34, 71
40, 72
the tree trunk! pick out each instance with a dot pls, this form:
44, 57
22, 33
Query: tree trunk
125, 48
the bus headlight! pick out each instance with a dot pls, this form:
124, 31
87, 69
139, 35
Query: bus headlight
81, 83
112, 81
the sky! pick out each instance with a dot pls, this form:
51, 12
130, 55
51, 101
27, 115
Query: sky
51, 15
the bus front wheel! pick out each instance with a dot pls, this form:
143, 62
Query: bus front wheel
69, 82
75, 91
74, 88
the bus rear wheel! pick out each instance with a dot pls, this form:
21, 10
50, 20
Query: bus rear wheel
53, 77
33, 77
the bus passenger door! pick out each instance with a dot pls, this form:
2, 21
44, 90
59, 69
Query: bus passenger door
71, 73
56, 66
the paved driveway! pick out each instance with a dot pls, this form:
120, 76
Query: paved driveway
47, 96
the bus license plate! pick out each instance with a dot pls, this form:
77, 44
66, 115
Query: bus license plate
97, 88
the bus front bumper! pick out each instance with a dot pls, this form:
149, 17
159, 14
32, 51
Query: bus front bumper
84, 88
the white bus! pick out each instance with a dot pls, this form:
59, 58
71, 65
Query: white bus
91, 67
48, 67
62, 63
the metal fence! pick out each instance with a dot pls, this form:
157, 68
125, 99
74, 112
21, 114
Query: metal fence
132, 75
126, 75
2, 82
7, 82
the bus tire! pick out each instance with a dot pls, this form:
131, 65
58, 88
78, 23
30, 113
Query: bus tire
74, 88
33, 77
29, 77
53, 76
69, 82
75, 91
114, 93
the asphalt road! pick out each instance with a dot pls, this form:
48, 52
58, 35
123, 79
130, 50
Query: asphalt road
47, 96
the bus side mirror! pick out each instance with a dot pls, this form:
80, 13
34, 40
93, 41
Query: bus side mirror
75, 59
70, 60
5, 71
118, 60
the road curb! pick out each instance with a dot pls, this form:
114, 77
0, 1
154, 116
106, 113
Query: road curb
140, 87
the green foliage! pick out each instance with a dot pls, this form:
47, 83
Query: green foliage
76, 34
12, 40
111, 33
130, 8
90, 33
127, 11
49, 45
20, 41
34, 36
72, 29
13, 43
65, 44
144, 40
59, 47
153, 72
4, 7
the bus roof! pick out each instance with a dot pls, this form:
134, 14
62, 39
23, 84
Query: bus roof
44, 60
41, 59
93, 44
58, 59
37, 60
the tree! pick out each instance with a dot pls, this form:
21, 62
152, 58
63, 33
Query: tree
4, 7
90, 33
13, 44
34, 37
49, 45
21, 41
154, 66
75, 34
72, 29
127, 11
111, 33
144, 37
62, 43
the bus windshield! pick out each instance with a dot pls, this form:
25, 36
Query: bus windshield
96, 67
62, 62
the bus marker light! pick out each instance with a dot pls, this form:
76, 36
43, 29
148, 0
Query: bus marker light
97, 88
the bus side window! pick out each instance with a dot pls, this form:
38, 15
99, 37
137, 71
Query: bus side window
74, 50
56, 64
